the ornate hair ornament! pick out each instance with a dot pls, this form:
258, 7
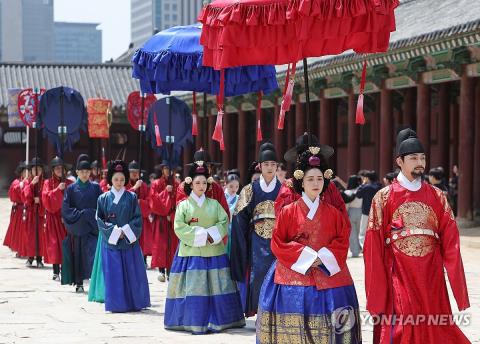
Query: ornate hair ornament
210, 180
328, 174
314, 150
118, 168
188, 180
199, 162
200, 169
314, 161
298, 174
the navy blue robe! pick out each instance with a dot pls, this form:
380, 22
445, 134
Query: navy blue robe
78, 213
250, 252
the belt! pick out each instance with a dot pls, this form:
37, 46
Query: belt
409, 232
264, 216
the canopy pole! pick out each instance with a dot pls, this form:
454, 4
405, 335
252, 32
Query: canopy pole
307, 97
141, 127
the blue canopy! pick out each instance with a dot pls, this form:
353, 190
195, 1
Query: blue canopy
172, 61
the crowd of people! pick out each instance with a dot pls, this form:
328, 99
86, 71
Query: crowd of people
276, 247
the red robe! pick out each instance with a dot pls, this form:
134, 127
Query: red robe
411, 237
12, 235
331, 196
165, 242
28, 246
104, 185
297, 239
52, 199
215, 192
146, 237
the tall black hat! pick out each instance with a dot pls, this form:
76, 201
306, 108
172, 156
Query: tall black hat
302, 143
408, 143
266, 152
117, 166
133, 166
83, 162
202, 155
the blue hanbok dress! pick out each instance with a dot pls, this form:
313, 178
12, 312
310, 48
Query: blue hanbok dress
120, 222
78, 214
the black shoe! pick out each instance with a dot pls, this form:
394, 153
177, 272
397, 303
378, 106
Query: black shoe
40, 265
29, 263
79, 289
56, 277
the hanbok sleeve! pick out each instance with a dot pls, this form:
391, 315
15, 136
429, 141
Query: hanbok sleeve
452, 259
240, 234
194, 236
290, 253
219, 230
52, 198
161, 201
376, 286
15, 191
133, 228
28, 193
77, 221
144, 201
110, 232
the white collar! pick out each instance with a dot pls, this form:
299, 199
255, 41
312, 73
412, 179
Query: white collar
270, 187
117, 194
312, 206
198, 200
407, 184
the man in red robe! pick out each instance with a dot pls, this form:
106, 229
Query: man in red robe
411, 237
162, 205
52, 199
215, 192
33, 234
137, 186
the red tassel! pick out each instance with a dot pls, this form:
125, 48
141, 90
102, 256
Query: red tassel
194, 116
259, 117
218, 132
158, 137
287, 96
360, 116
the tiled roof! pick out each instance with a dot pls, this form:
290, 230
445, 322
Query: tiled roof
108, 80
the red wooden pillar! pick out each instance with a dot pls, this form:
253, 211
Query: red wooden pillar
242, 163
466, 148
409, 108
386, 150
353, 150
423, 116
476, 160
443, 124
325, 121
229, 145
300, 125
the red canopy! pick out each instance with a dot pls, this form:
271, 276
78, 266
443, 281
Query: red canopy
256, 32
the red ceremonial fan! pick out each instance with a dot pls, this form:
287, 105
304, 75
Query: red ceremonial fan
28, 103
134, 108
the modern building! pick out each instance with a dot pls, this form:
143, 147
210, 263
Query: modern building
78, 43
150, 16
26, 30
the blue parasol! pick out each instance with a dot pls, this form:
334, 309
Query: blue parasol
172, 61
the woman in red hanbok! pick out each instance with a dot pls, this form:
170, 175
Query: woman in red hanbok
52, 199
308, 295
34, 233
15, 194
411, 237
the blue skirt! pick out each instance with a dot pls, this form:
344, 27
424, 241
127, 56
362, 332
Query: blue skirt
126, 284
201, 296
299, 314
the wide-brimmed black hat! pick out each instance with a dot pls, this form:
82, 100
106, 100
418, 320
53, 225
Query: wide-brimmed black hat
302, 143
133, 166
22, 165
202, 155
408, 143
36, 162
94, 164
83, 162
163, 164
57, 161
117, 166
267, 152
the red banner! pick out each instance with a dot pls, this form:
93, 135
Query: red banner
134, 108
28, 103
99, 117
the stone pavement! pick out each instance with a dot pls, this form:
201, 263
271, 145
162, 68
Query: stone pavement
35, 309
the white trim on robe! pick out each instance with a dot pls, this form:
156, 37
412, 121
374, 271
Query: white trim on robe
129, 233
305, 260
407, 184
215, 234
201, 236
329, 261
198, 200
270, 187
117, 194
312, 206
116, 232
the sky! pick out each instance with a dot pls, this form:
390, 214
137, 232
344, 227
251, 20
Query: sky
113, 16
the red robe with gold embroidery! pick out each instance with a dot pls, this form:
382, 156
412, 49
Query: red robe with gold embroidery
297, 240
55, 232
146, 237
411, 237
162, 204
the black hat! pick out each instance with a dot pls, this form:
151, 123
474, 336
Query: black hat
302, 143
22, 165
197, 169
163, 164
94, 164
202, 155
37, 162
83, 162
234, 172
266, 152
57, 161
308, 159
133, 166
117, 166
408, 143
